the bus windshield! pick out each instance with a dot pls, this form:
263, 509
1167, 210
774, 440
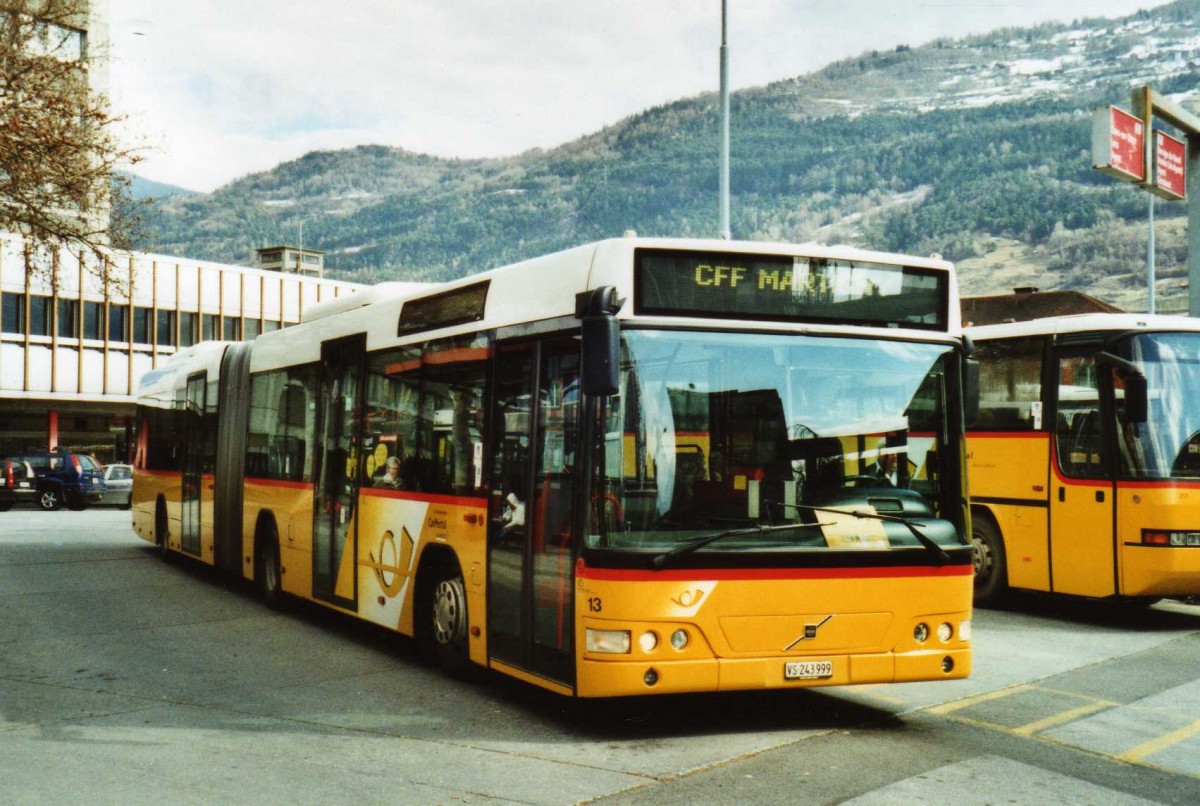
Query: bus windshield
748, 433
1167, 445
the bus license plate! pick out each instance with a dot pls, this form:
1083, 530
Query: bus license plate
807, 669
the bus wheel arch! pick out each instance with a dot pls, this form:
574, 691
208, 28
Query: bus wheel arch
268, 576
441, 621
989, 557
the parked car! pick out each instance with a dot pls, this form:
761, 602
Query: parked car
74, 479
118, 485
17, 483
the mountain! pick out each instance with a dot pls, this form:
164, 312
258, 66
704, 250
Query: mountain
978, 149
142, 188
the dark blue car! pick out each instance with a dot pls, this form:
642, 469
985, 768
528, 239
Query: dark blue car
74, 479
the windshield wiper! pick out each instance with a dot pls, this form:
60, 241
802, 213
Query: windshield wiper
700, 542
921, 537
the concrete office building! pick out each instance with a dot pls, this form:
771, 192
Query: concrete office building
72, 348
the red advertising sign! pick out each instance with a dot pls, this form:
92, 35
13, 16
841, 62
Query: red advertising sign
1118, 144
1170, 167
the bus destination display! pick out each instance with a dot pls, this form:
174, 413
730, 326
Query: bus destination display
744, 286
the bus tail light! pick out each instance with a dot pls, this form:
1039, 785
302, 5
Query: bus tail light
610, 642
1159, 537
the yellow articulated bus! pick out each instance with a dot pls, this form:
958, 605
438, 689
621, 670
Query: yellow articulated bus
638, 466
1085, 459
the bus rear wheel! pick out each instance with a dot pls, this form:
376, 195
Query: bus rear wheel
991, 569
161, 536
267, 575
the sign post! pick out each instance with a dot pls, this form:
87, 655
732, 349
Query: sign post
1118, 144
1126, 146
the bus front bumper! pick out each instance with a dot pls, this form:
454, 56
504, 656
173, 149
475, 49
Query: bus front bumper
622, 678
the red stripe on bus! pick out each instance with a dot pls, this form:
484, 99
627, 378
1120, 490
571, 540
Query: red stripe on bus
166, 474
1008, 435
284, 483
404, 495
762, 574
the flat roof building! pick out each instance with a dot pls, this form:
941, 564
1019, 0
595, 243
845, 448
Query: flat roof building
73, 347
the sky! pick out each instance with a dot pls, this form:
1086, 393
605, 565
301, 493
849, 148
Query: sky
217, 89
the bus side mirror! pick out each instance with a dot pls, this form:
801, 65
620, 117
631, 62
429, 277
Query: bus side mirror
1137, 402
971, 392
601, 359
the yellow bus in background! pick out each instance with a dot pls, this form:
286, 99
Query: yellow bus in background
638, 466
1085, 459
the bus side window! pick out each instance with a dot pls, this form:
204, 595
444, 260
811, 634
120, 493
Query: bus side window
1010, 383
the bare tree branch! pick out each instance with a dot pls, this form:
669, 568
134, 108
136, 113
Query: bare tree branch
58, 148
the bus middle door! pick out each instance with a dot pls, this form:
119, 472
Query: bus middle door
335, 488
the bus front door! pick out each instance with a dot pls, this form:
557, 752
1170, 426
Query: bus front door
530, 603
194, 449
336, 479
1082, 555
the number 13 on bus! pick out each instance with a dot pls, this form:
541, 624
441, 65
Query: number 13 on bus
638, 466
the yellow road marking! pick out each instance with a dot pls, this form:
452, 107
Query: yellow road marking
1155, 745
1064, 717
958, 705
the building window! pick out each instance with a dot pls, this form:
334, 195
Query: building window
57, 41
270, 325
187, 329
93, 316
251, 329
232, 328
12, 313
39, 316
118, 323
208, 327
68, 319
166, 328
312, 259
141, 325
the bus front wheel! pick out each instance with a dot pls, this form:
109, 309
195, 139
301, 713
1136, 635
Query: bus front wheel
991, 571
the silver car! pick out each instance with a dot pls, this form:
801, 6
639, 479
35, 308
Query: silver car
118, 485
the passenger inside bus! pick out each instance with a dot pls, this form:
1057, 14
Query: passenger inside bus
391, 475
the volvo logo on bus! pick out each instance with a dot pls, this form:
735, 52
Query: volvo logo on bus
810, 632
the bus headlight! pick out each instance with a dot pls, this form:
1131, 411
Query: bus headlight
945, 632
964, 630
679, 639
612, 642
1161, 537
648, 641
921, 632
